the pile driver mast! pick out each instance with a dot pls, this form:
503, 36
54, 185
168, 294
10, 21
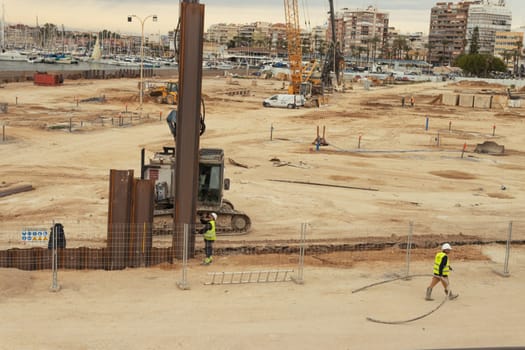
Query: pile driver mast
188, 121
334, 60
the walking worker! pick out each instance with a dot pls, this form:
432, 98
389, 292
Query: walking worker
441, 271
412, 101
209, 236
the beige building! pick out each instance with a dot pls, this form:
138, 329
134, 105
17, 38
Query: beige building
508, 46
361, 31
222, 33
448, 31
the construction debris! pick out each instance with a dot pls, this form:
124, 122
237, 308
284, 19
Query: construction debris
234, 92
101, 99
233, 162
15, 189
278, 163
489, 147
328, 185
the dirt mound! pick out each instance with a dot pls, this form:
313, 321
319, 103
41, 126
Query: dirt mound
478, 84
453, 174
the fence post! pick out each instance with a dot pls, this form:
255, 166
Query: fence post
506, 272
54, 286
183, 283
507, 251
300, 278
409, 246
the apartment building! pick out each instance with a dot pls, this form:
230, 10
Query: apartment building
489, 17
222, 33
507, 42
361, 30
318, 38
448, 31
509, 47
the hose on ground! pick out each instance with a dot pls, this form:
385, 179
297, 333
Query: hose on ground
388, 281
371, 319
412, 319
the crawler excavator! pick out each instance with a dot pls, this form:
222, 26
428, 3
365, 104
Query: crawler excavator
211, 185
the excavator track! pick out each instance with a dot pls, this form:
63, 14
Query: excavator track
230, 222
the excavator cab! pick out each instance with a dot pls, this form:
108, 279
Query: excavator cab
172, 86
211, 177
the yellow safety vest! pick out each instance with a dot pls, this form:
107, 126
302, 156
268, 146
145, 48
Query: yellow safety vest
210, 234
437, 263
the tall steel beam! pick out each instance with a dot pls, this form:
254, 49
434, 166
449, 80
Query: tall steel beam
188, 124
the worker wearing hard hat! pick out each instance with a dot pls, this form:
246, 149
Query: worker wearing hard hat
209, 236
441, 271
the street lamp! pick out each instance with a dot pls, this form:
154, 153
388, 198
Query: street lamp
130, 19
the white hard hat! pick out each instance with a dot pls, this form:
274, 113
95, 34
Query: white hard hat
446, 246
214, 216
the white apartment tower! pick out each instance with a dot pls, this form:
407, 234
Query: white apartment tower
490, 16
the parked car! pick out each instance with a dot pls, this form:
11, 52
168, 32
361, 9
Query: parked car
284, 101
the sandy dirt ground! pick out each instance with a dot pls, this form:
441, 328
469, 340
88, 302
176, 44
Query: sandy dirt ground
397, 174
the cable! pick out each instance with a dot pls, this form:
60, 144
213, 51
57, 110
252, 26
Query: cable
412, 319
371, 319
387, 281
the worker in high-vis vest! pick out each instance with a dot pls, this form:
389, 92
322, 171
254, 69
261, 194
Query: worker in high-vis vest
441, 271
209, 233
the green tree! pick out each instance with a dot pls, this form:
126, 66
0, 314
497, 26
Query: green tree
480, 65
474, 41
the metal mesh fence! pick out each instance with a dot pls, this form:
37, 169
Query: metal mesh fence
27, 246
30, 246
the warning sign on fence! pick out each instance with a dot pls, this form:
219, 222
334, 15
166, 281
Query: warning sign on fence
35, 235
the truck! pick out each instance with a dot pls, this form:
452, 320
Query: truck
211, 185
284, 101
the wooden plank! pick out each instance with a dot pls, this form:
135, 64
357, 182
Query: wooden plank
15, 189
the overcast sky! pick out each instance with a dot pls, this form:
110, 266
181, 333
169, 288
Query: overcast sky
405, 15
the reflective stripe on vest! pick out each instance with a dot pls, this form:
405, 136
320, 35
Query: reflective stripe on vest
210, 234
437, 263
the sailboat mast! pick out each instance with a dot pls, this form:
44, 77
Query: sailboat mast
2, 31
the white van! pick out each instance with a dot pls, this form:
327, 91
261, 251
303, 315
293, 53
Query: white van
284, 101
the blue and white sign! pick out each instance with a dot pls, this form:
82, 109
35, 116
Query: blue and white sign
31, 235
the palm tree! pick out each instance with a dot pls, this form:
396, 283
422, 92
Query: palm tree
517, 57
48, 34
445, 44
400, 44
374, 42
360, 50
507, 55
428, 46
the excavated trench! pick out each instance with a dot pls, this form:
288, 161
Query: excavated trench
368, 244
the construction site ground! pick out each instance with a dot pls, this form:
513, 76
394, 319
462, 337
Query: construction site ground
382, 170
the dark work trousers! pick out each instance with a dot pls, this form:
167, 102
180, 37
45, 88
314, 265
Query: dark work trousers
208, 248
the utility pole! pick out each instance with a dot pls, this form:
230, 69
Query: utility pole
188, 124
142, 21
